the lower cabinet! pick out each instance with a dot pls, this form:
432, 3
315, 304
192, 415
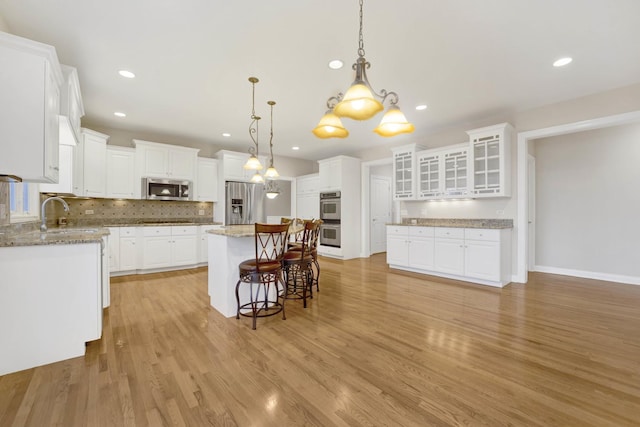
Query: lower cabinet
138, 249
476, 255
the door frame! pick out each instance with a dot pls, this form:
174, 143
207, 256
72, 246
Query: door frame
524, 139
365, 209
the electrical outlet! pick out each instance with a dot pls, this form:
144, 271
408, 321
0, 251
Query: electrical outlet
500, 212
201, 212
88, 212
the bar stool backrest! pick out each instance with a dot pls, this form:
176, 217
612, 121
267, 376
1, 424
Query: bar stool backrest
271, 242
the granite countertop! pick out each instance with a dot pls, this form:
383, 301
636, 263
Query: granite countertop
246, 230
456, 223
153, 223
54, 236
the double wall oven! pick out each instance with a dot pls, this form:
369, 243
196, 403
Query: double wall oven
330, 214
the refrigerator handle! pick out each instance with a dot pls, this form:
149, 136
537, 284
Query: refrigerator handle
248, 197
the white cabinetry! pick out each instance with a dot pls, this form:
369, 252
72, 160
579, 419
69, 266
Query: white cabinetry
429, 182
169, 246
490, 149
128, 249
207, 182
91, 164
232, 164
342, 174
120, 172
66, 177
157, 160
71, 108
455, 171
30, 80
472, 254
114, 249
203, 236
404, 176
411, 247
308, 196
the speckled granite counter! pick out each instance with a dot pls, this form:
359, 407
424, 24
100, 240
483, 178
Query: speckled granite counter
55, 236
457, 223
245, 230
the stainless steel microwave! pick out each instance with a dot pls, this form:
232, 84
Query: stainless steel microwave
165, 189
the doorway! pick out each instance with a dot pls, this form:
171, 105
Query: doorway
380, 197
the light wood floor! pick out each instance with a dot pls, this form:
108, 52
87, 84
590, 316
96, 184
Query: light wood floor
374, 348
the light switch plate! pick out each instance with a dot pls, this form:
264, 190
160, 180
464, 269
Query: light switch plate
201, 212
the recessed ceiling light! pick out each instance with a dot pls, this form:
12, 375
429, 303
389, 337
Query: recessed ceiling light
119, 114
335, 64
126, 73
226, 135
421, 107
295, 148
562, 62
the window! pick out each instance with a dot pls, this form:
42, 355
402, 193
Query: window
23, 201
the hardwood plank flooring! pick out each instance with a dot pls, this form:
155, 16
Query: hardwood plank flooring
376, 347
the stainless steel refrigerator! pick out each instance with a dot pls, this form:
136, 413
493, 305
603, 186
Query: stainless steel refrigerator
244, 203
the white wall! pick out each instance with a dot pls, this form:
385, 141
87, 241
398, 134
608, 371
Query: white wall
588, 201
3, 25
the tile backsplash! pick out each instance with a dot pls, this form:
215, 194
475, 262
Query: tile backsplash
82, 210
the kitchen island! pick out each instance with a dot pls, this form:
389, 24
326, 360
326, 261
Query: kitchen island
52, 293
228, 247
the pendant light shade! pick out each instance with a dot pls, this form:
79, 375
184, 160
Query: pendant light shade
271, 173
253, 163
330, 126
393, 123
257, 178
358, 103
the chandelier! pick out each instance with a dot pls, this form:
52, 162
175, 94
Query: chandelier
361, 103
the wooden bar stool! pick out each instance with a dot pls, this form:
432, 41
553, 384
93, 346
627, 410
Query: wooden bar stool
297, 264
263, 272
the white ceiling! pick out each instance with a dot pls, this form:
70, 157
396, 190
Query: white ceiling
466, 59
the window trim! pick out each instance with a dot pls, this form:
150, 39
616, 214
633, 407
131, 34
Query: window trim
32, 214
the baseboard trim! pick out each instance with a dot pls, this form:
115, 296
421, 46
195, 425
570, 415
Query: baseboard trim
618, 278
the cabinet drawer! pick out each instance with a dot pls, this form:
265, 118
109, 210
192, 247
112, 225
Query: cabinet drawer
157, 231
397, 230
490, 235
421, 231
184, 230
450, 232
127, 231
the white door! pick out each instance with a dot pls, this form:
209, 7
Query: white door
531, 212
380, 212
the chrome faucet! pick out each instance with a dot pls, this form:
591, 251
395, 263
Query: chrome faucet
43, 226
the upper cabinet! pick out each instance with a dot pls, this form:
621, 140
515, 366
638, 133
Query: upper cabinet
165, 161
71, 107
91, 158
455, 170
232, 164
207, 182
121, 183
490, 151
404, 168
30, 80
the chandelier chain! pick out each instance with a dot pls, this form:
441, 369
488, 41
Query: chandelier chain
361, 38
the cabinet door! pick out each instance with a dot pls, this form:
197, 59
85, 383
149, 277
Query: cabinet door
66, 177
207, 182
449, 256
421, 253
114, 249
156, 252
128, 254
155, 161
455, 172
95, 166
429, 176
182, 164
120, 174
308, 206
403, 175
52, 126
397, 250
184, 250
234, 167
482, 260
330, 175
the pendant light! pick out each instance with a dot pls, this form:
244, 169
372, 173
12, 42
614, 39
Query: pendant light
361, 103
253, 163
271, 172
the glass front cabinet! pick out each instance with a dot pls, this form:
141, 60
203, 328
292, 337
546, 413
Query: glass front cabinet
490, 160
404, 165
